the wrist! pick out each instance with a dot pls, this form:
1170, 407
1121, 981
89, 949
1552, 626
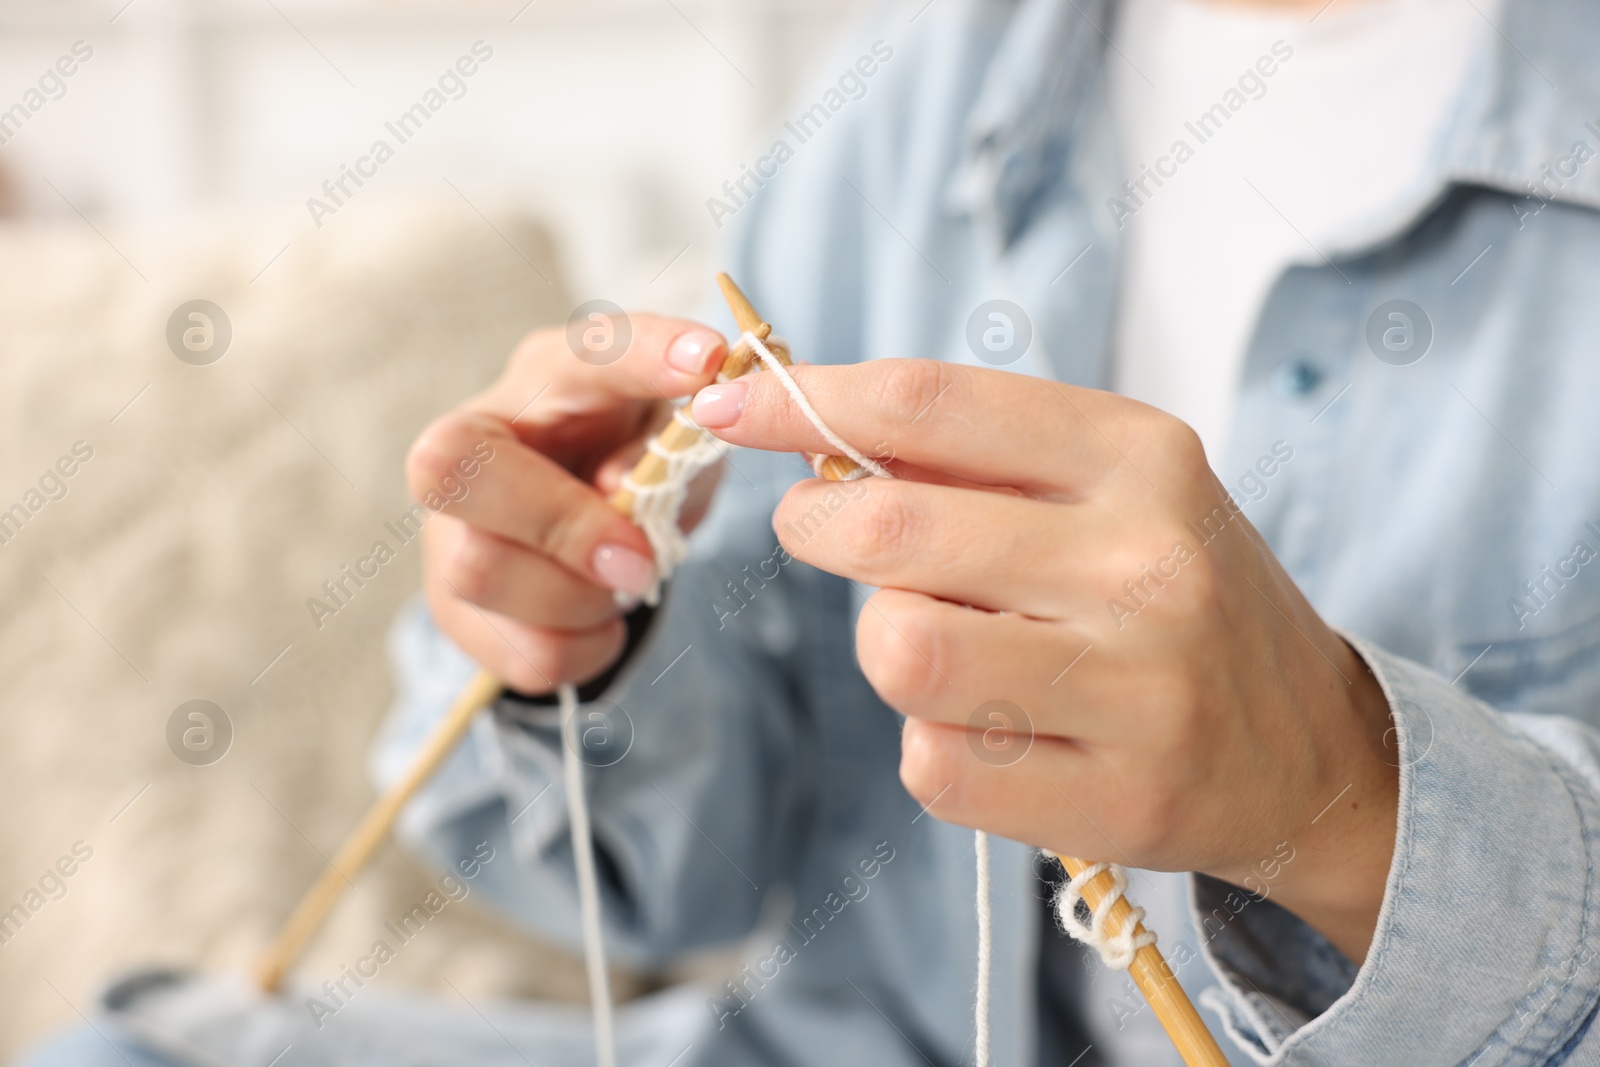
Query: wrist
1332, 858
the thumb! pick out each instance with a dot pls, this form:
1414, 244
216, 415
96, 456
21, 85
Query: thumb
601, 361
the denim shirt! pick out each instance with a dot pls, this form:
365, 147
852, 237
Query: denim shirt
1441, 507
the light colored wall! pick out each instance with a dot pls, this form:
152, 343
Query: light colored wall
613, 120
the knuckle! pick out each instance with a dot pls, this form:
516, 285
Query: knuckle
879, 527
475, 566
558, 531
1197, 594
441, 604
438, 450
426, 460
907, 387
926, 769
1177, 443
530, 353
898, 655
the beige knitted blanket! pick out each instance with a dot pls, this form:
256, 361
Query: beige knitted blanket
205, 506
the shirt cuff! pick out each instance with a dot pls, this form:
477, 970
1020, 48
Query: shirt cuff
1484, 951
539, 710
512, 755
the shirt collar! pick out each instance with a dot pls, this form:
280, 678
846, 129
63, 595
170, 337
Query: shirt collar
1523, 124
1527, 122
1020, 129
1530, 102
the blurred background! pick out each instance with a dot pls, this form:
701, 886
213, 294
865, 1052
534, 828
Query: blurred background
212, 490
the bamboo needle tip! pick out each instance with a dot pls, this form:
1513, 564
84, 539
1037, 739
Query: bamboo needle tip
744, 313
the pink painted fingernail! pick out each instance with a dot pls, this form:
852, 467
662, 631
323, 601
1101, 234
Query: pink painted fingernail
693, 350
623, 569
719, 406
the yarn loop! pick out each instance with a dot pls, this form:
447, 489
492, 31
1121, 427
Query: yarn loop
1116, 948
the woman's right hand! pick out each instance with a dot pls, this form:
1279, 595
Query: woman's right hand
522, 564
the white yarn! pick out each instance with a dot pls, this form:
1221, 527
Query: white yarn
868, 465
656, 507
588, 882
655, 510
1115, 949
980, 1008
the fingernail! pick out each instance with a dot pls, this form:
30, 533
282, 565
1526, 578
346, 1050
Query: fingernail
692, 351
623, 569
718, 406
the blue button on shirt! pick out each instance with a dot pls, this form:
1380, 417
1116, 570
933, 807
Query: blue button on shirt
1299, 377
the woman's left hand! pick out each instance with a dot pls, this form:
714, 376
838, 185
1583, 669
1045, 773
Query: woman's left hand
1096, 652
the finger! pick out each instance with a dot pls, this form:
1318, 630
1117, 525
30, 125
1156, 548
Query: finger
933, 539
610, 471
1009, 677
1051, 794
528, 499
934, 660
988, 426
508, 579
600, 362
530, 659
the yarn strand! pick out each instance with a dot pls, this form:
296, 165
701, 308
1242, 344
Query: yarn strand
656, 510
980, 1006
872, 468
594, 949
792, 387
1116, 949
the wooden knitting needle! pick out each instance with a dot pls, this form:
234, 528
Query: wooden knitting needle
1150, 971
833, 468
1154, 977
674, 437
376, 825
372, 831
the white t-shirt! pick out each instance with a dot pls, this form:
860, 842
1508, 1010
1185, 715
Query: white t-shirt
1278, 168
1341, 130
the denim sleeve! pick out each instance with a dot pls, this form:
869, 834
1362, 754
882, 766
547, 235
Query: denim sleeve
1485, 947
692, 753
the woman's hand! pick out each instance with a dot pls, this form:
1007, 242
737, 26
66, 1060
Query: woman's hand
522, 564
1096, 652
